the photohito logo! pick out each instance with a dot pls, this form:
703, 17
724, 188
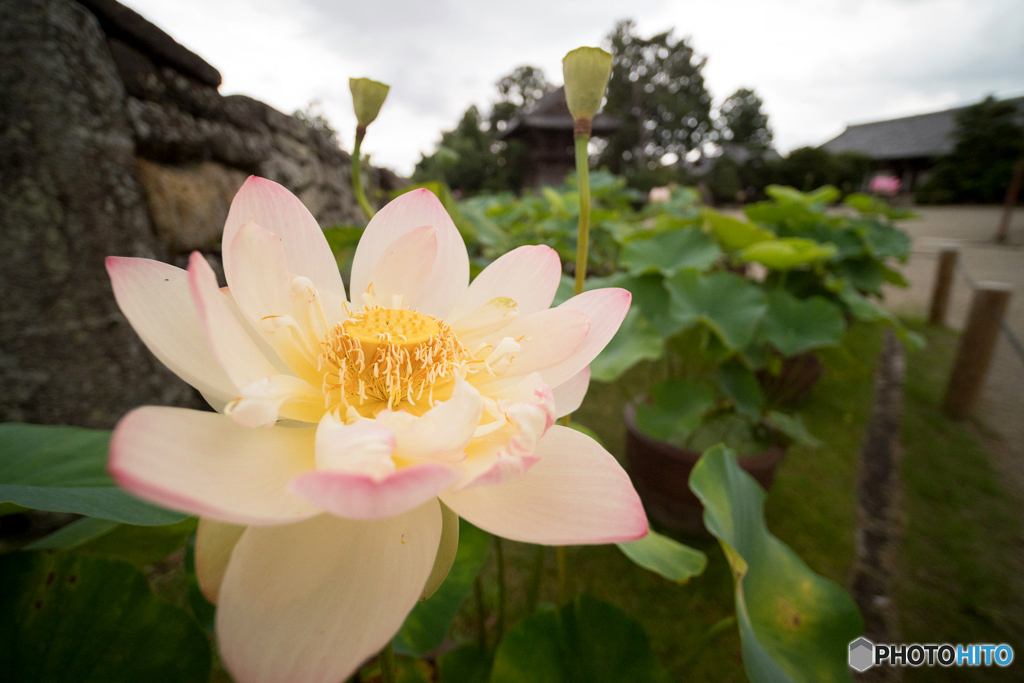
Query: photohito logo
864, 654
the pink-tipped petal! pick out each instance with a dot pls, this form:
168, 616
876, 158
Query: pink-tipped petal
606, 309
575, 494
308, 603
258, 279
262, 287
231, 343
403, 269
528, 275
156, 300
274, 208
355, 495
214, 543
449, 277
206, 464
504, 453
570, 394
545, 339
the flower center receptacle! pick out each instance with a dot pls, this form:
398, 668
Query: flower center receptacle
391, 326
385, 358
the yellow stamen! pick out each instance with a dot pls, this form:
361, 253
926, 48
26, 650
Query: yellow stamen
388, 356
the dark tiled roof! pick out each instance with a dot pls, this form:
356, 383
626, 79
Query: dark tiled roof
552, 113
924, 135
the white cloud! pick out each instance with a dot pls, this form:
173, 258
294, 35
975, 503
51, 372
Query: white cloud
818, 64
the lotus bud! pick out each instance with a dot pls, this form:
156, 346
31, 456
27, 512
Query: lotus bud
586, 71
367, 99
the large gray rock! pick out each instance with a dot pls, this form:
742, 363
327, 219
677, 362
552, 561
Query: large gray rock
189, 204
129, 26
69, 196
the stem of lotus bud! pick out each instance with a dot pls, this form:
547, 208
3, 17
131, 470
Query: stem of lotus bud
537, 575
583, 232
357, 183
481, 613
387, 664
499, 557
563, 593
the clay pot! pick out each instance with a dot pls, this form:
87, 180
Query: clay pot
796, 379
661, 472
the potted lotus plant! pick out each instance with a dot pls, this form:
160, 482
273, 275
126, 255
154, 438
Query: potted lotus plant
730, 314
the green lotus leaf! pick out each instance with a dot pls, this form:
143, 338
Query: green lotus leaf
64, 469
729, 304
740, 384
469, 663
676, 409
140, 545
635, 341
883, 241
794, 325
665, 556
823, 195
795, 626
734, 234
793, 427
587, 640
77, 617
74, 534
788, 253
651, 298
669, 252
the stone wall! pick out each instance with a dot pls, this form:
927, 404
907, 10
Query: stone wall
115, 141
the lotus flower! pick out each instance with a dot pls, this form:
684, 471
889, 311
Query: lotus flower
349, 435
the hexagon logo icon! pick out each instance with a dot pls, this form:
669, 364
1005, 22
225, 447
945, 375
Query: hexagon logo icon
862, 654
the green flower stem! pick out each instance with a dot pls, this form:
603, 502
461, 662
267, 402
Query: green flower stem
563, 570
717, 628
500, 558
481, 615
536, 577
583, 234
582, 254
387, 664
357, 183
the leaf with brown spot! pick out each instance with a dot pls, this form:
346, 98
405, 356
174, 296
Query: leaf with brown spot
795, 626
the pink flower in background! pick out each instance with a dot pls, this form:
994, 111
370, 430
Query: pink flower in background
887, 185
659, 195
351, 433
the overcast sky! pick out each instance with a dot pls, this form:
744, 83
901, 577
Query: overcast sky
818, 64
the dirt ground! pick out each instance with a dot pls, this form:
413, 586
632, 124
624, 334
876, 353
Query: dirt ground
1000, 415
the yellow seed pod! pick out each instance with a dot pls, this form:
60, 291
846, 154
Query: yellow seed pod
367, 98
586, 71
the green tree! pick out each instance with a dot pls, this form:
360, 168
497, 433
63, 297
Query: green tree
808, 168
517, 92
742, 122
471, 159
989, 140
657, 90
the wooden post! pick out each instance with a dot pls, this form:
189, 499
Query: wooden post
943, 287
1003, 233
977, 344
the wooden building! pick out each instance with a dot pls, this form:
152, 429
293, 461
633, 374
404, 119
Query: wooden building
546, 129
907, 147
